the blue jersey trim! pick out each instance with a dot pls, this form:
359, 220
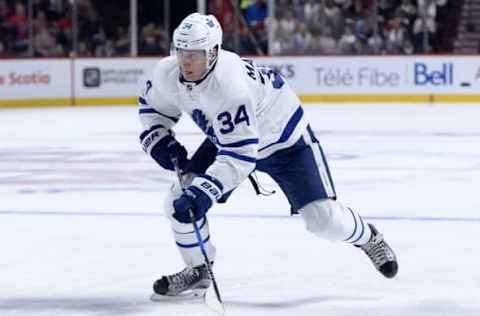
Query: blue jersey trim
354, 228
291, 125
363, 230
151, 110
142, 101
245, 142
193, 231
192, 245
146, 132
237, 156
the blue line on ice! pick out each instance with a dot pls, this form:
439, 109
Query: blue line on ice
232, 215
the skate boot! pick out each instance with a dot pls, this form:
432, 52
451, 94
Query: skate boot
193, 280
381, 254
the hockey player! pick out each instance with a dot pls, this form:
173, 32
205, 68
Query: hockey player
253, 121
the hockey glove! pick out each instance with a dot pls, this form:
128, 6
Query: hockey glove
166, 148
199, 196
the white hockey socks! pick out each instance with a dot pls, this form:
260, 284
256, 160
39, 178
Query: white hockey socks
331, 220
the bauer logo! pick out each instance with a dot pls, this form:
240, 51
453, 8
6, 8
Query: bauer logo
91, 77
441, 75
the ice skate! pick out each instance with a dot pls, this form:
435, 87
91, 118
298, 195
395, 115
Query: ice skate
188, 283
380, 253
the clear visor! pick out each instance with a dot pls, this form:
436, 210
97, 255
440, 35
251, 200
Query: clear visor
191, 56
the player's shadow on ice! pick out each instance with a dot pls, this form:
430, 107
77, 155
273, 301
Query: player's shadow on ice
62, 306
293, 303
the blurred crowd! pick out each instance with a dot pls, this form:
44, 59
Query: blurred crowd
347, 26
298, 27
354, 27
52, 31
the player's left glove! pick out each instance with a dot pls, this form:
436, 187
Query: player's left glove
199, 196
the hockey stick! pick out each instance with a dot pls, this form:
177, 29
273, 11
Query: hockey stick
213, 301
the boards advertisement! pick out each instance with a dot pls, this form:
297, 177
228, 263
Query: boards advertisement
316, 79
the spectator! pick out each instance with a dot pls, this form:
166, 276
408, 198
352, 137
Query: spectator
395, 36
326, 42
297, 7
153, 40
224, 12
255, 18
309, 10
386, 8
99, 38
407, 12
420, 26
427, 8
281, 7
83, 50
407, 47
64, 39
40, 22
302, 39
244, 4
282, 42
348, 43
17, 23
363, 27
375, 45
334, 18
318, 21
122, 41
345, 5
256, 13
106, 50
288, 23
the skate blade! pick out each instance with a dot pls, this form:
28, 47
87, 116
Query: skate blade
191, 295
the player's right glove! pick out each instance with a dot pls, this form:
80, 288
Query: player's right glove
203, 192
167, 148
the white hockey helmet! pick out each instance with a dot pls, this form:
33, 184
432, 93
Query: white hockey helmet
199, 32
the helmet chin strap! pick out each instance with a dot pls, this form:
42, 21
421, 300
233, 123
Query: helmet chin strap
211, 58
207, 71
204, 75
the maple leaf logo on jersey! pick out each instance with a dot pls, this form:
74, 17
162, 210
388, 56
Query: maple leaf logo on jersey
201, 120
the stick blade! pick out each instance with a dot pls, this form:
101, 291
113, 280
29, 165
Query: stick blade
212, 301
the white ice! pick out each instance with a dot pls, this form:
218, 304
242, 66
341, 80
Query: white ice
82, 230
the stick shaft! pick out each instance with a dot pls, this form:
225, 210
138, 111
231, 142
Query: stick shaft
197, 234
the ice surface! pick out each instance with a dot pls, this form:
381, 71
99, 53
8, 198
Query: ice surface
82, 230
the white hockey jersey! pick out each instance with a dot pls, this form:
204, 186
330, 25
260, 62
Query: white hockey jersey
249, 112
